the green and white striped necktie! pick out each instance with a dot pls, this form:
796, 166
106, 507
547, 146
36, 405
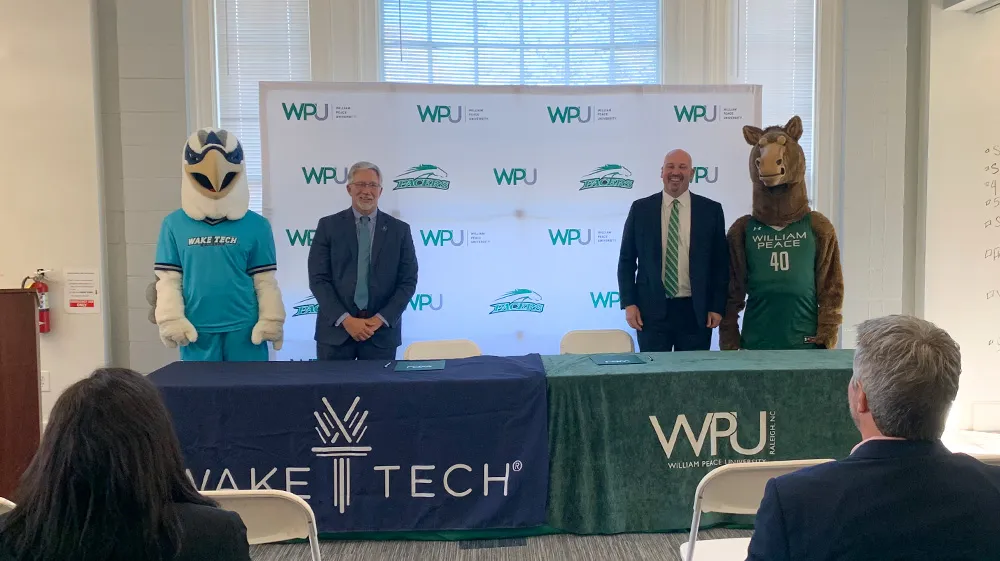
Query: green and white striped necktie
670, 283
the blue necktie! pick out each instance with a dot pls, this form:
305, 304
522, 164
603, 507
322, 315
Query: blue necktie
364, 261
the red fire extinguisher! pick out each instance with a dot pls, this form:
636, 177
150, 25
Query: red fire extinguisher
38, 282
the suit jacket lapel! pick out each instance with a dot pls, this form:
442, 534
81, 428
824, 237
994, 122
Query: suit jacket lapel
349, 231
381, 229
656, 219
693, 237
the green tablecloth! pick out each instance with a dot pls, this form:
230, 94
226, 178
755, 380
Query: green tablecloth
609, 471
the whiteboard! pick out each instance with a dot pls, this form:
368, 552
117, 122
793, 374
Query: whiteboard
962, 206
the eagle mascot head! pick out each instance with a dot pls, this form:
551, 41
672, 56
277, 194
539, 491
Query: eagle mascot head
214, 178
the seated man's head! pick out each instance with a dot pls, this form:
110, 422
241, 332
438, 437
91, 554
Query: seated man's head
905, 378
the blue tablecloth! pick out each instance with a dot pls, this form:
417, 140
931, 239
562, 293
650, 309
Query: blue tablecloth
372, 449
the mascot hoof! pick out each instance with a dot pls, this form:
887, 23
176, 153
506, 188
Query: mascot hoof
177, 332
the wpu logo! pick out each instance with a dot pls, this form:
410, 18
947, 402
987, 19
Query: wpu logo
438, 113
607, 176
306, 307
352, 428
713, 431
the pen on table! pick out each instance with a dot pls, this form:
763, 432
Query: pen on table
387, 364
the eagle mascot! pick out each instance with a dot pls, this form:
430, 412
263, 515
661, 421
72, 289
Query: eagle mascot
785, 261
215, 295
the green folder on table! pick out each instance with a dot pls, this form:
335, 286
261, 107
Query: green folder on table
613, 360
419, 365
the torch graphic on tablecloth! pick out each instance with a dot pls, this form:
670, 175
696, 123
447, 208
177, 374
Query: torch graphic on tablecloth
350, 429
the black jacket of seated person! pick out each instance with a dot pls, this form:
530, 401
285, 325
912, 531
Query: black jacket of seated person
890, 500
108, 484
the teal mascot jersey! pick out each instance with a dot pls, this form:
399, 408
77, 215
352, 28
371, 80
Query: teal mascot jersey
216, 296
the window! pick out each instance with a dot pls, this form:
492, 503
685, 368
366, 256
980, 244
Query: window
257, 41
535, 42
776, 50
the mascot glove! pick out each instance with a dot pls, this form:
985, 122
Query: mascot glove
174, 332
268, 330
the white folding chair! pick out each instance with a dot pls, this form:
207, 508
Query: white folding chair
591, 341
991, 459
271, 516
6, 506
438, 350
733, 489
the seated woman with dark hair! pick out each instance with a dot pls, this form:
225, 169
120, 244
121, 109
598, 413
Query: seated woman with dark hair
108, 484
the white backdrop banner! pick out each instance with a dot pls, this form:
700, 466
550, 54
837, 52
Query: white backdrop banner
516, 197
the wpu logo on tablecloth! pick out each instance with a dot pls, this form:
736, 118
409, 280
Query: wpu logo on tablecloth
424, 176
607, 176
519, 300
713, 432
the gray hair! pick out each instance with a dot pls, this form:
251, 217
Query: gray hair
908, 369
362, 166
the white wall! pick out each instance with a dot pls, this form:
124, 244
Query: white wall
144, 115
50, 153
871, 213
962, 138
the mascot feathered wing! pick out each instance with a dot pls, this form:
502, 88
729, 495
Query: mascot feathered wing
785, 261
216, 295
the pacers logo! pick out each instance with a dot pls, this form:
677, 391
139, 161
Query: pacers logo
343, 436
424, 176
608, 176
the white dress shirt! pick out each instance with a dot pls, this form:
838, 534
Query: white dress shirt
683, 245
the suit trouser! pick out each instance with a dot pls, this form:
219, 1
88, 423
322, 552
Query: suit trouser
680, 331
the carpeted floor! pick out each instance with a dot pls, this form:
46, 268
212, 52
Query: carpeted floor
623, 547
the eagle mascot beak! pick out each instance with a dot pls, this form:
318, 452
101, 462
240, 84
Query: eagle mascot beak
214, 176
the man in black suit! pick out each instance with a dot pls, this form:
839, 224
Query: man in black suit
900, 494
679, 241
363, 272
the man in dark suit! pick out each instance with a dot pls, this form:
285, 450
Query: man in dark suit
679, 241
900, 494
363, 272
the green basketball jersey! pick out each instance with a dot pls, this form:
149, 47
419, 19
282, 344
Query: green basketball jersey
781, 310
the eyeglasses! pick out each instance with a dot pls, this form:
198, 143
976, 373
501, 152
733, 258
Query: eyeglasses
362, 185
